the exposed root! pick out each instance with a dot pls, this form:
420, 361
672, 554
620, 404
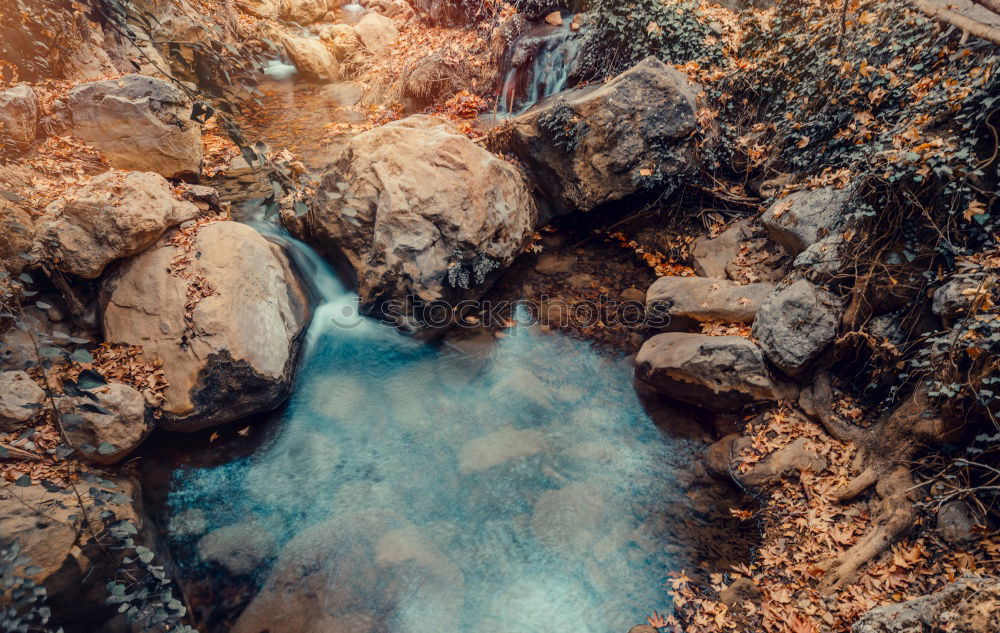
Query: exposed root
857, 486
822, 403
894, 519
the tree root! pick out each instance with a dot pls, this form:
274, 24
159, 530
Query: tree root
822, 402
857, 486
895, 517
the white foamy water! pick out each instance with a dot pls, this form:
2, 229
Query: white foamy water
277, 69
546, 73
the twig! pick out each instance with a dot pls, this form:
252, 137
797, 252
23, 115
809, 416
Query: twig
17, 453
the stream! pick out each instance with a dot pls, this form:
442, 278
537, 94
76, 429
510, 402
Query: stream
511, 483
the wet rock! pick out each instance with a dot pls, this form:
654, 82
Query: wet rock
312, 58
343, 38
224, 318
632, 295
785, 461
139, 123
20, 399
241, 548
18, 115
303, 11
554, 18
711, 255
719, 457
47, 523
500, 447
422, 214
805, 217
111, 216
360, 563
970, 605
106, 438
17, 234
550, 264
595, 145
720, 373
957, 523
376, 32
741, 590
795, 325
567, 519
686, 300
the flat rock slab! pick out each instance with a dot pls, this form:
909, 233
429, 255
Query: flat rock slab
687, 299
720, 373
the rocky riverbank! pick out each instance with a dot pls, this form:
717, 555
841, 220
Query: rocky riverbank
133, 305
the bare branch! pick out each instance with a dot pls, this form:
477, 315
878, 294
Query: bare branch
980, 30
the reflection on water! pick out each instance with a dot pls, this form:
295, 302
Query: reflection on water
415, 489
301, 116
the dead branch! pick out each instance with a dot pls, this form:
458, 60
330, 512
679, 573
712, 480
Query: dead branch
937, 12
992, 5
16, 453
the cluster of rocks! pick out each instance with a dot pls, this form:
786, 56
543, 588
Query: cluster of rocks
422, 214
793, 322
322, 58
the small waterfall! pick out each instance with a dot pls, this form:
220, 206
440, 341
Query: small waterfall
352, 13
540, 65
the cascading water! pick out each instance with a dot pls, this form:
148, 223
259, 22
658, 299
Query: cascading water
410, 488
540, 65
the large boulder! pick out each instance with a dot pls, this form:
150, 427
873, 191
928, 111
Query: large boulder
602, 143
721, 373
107, 426
795, 325
971, 604
312, 58
303, 11
20, 399
421, 214
376, 32
111, 216
58, 540
805, 217
18, 115
222, 311
684, 300
139, 123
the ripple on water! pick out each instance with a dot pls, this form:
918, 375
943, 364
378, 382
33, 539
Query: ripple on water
411, 489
